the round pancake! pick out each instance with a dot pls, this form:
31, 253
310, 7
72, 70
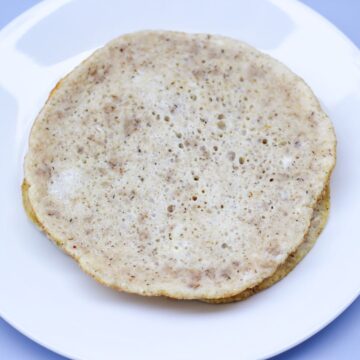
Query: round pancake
179, 165
318, 221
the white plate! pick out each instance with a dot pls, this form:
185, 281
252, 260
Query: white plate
46, 296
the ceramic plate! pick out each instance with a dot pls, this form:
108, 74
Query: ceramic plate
46, 296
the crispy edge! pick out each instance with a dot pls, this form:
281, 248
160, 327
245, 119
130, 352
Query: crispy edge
293, 259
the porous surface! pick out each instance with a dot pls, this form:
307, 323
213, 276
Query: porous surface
318, 221
180, 165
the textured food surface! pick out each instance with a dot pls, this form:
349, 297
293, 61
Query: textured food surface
179, 165
318, 221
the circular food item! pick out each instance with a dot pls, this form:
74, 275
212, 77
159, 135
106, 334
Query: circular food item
318, 221
179, 165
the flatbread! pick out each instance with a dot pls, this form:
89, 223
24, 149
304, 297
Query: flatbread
179, 165
318, 221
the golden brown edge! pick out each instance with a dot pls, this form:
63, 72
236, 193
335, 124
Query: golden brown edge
292, 260
283, 269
